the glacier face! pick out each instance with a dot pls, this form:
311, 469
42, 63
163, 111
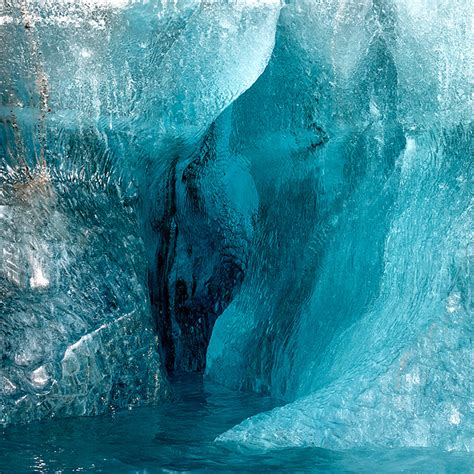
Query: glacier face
98, 120
291, 182
357, 306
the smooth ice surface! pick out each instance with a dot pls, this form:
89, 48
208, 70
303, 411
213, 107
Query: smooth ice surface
358, 303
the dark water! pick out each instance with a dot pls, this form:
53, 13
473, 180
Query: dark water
178, 437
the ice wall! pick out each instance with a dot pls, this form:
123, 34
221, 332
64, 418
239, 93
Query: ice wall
98, 118
357, 304
76, 330
292, 182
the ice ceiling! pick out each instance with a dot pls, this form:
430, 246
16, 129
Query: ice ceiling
276, 193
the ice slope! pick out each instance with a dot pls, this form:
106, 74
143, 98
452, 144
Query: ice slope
358, 303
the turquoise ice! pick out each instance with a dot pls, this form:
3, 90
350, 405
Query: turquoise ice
276, 193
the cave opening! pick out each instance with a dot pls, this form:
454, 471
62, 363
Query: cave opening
199, 262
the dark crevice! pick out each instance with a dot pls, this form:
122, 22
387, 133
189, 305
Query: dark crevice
158, 277
197, 267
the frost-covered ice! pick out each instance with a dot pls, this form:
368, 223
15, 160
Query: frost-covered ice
289, 180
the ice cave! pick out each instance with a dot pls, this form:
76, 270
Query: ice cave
236, 236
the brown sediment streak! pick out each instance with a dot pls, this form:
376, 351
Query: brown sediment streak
41, 79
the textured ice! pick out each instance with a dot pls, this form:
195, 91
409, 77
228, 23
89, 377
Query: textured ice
289, 180
95, 104
76, 331
357, 308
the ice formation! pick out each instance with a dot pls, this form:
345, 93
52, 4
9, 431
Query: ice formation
279, 192
98, 120
357, 306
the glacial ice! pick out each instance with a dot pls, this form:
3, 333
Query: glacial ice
276, 191
357, 305
95, 105
76, 331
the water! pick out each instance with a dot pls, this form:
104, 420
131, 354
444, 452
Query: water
179, 437
298, 170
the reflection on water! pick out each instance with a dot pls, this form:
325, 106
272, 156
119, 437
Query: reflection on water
179, 437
